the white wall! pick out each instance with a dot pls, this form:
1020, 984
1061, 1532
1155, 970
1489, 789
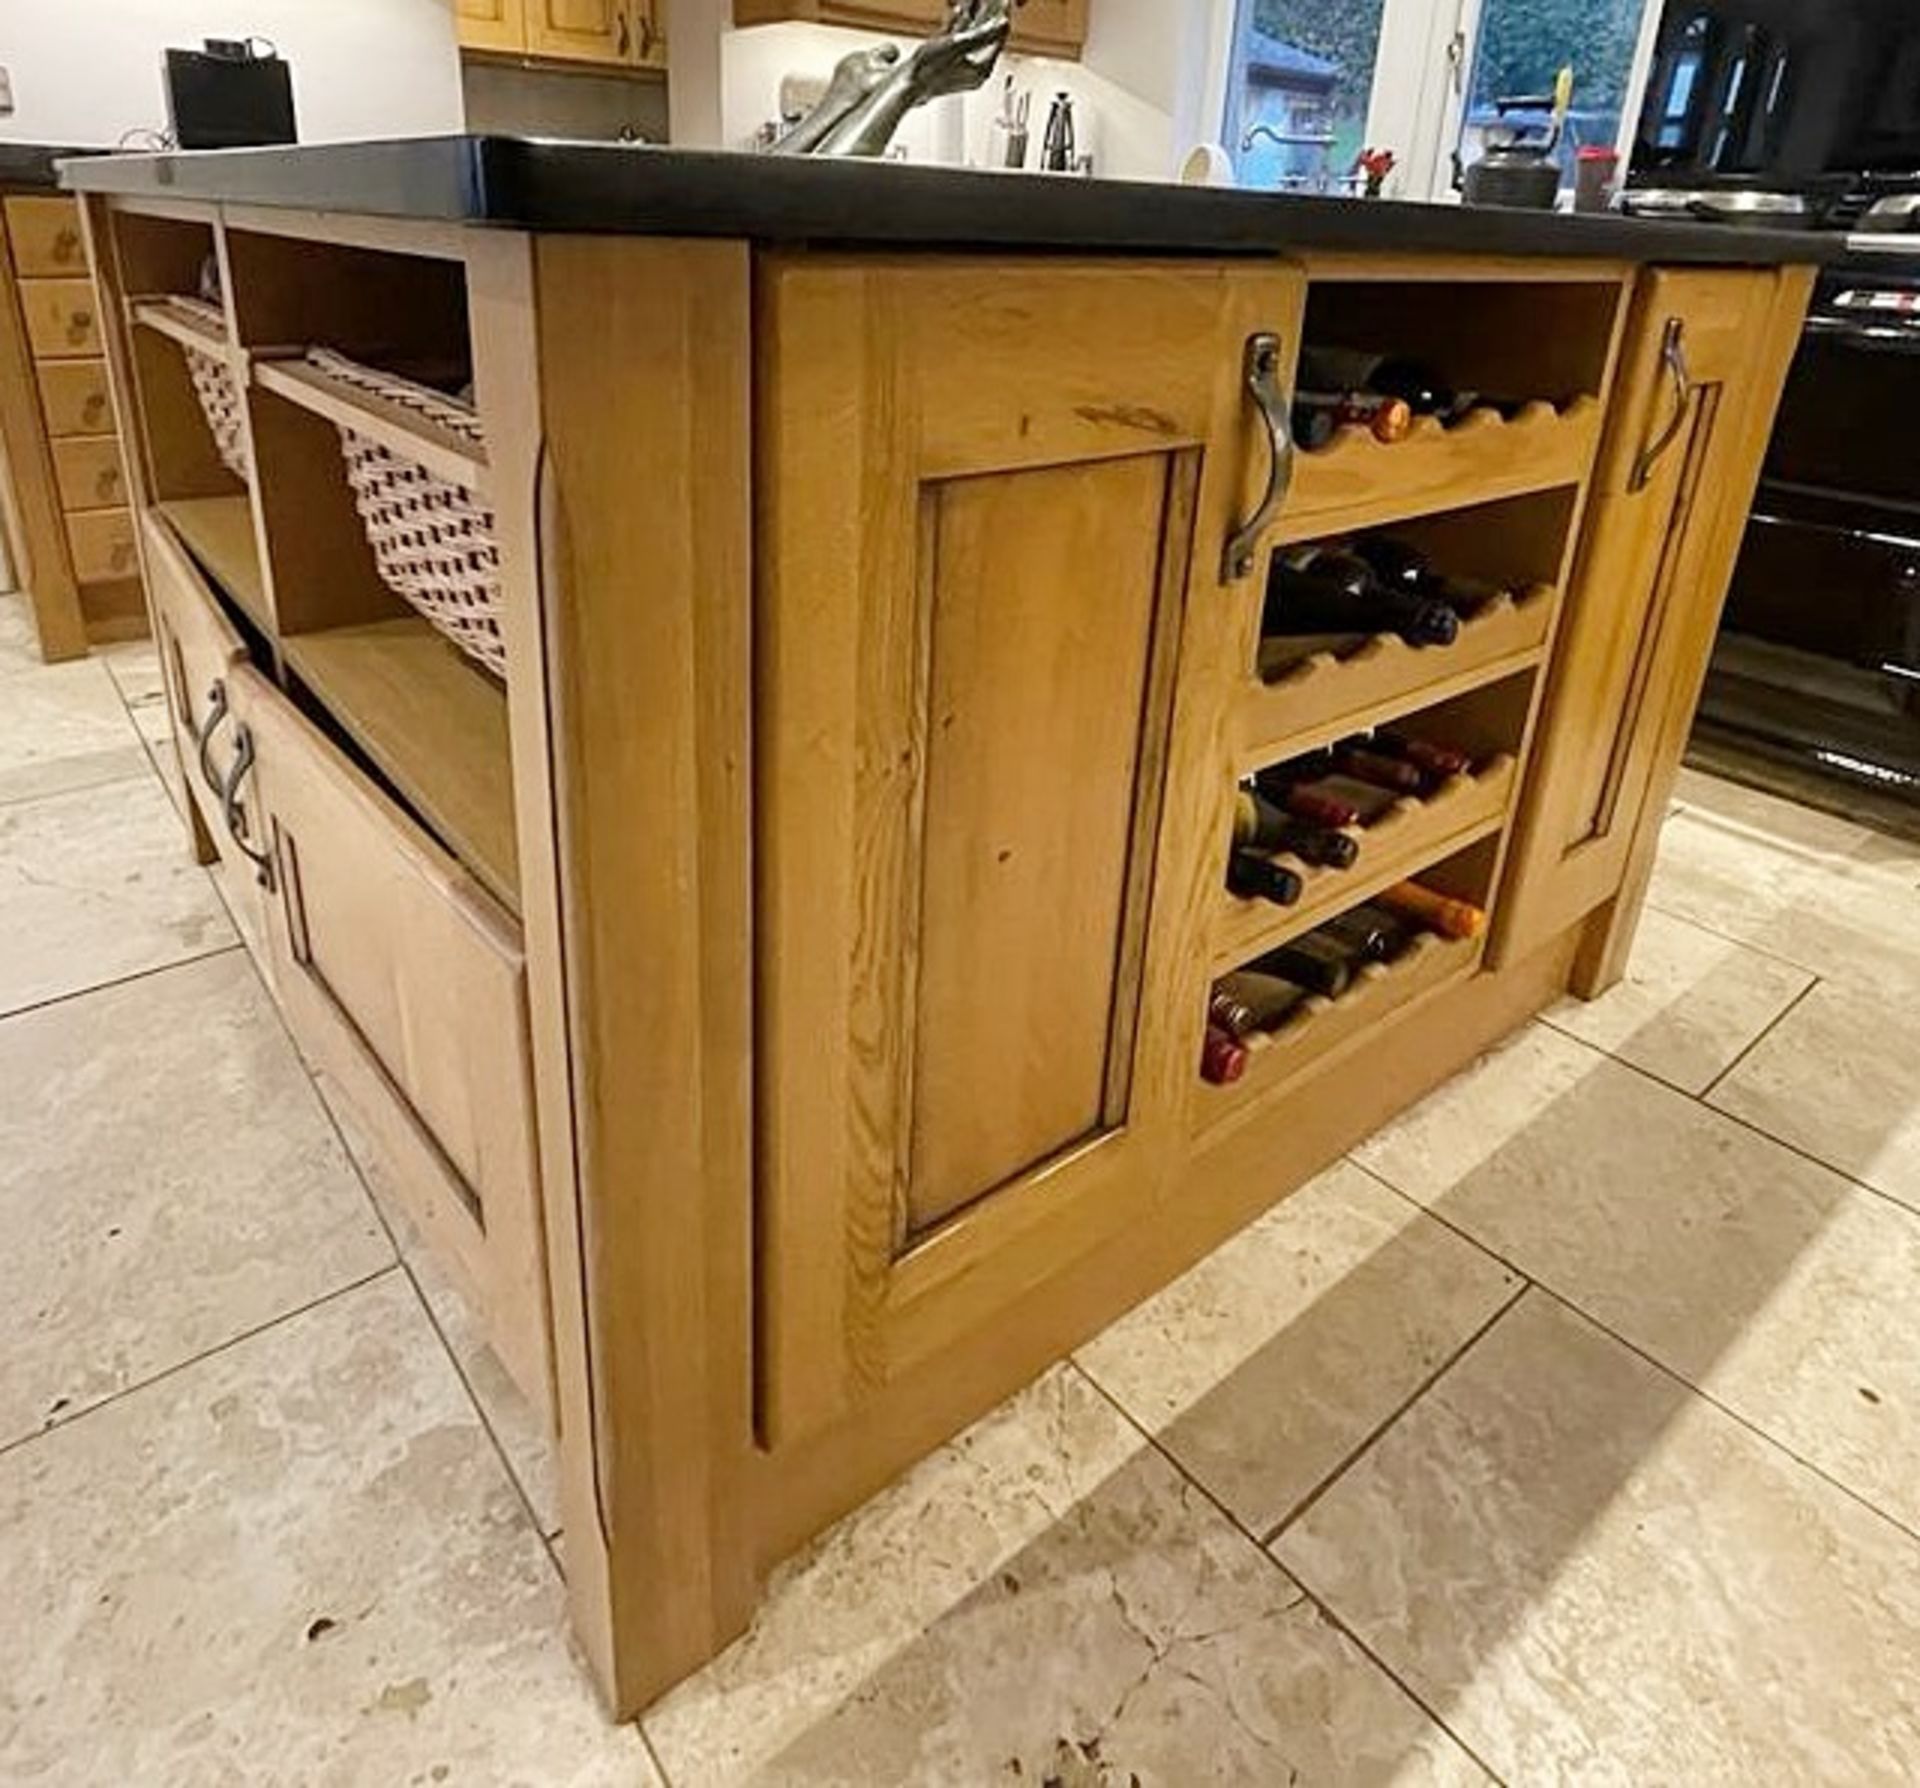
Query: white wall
88, 71
1134, 90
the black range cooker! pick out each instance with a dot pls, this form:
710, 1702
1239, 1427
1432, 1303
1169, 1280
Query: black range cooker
1763, 114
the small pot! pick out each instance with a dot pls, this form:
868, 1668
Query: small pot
1523, 176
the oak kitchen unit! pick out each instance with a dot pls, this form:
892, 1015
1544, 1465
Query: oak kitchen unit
767, 897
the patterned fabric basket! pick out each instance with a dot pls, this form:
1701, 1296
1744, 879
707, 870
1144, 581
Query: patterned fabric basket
216, 386
432, 539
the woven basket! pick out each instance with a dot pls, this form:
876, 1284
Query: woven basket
215, 385
432, 539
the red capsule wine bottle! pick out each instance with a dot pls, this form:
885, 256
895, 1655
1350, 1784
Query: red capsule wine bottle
1223, 1058
1438, 761
1382, 771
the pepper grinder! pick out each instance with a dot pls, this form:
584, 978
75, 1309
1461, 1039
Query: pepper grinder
1057, 150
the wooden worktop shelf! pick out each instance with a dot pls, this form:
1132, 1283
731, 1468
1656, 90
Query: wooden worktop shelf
432, 724
1320, 1029
1383, 677
1409, 836
1356, 481
218, 533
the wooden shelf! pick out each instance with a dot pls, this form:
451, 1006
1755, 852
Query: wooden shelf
414, 437
186, 321
1358, 482
1408, 837
433, 724
1321, 1029
1384, 677
218, 532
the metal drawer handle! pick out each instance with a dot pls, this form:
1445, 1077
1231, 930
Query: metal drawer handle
235, 816
1673, 356
1263, 386
216, 713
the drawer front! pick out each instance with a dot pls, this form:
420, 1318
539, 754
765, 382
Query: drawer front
101, 542
89, 474
63, 322
401, 974
1059, 26
74, 397
198, 645
45, 233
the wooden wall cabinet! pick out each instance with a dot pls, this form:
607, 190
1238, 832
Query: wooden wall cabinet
615, 34
983, 603
1700, 377
1040, 27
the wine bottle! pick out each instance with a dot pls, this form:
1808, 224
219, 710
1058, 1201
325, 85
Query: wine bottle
1226, 1013
1387, 419
1281, 784
1403, 567
1313, 426
1223, 1058
1394, 773
1275, 830
1254, 877
1312, 962
1438, 912
1424, 390
1328, 590
1268, 999
1438, 761
1368, 933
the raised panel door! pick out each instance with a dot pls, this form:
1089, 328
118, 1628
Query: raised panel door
993, 502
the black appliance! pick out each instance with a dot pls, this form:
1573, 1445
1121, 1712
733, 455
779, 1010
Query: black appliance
229, 95
1784, 114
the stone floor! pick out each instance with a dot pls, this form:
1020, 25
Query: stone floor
1569, 1431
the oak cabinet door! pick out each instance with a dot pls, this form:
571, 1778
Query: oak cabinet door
584, 30
993, 501
492, 24
1675, 478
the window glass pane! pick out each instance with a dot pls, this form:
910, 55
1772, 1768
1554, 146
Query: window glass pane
1523, 46
1299, 87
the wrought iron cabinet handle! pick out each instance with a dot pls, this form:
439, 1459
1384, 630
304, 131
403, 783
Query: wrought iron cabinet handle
235, 816
1673, 357
1262, 378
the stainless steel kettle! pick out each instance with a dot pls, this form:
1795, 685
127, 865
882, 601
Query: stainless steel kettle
1521, 171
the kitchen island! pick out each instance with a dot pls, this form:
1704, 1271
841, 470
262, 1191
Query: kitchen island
764, 887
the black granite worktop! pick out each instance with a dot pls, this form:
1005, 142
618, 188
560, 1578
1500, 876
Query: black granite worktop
33, 167
546, 185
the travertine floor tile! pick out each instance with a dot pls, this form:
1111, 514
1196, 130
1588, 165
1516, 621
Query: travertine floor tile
1765, 1280
97, 885
1593, 1576
64, 727
296, 1561
1840, 1078
1768, 817
169, 1182
1044, 1599
521, 1429
1690, 1003
135, 669
1271, 1362
19, 642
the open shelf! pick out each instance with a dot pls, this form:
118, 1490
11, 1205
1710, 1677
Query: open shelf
1358, 482
1382, 677
432, 724
218, 532
1410, 835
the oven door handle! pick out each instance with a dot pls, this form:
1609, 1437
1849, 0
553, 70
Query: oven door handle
1673, 357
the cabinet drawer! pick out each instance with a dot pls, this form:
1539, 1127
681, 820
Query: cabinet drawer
88, 474
62, 321
408, 983
198, 644
45, 233
74, 397
101, 542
